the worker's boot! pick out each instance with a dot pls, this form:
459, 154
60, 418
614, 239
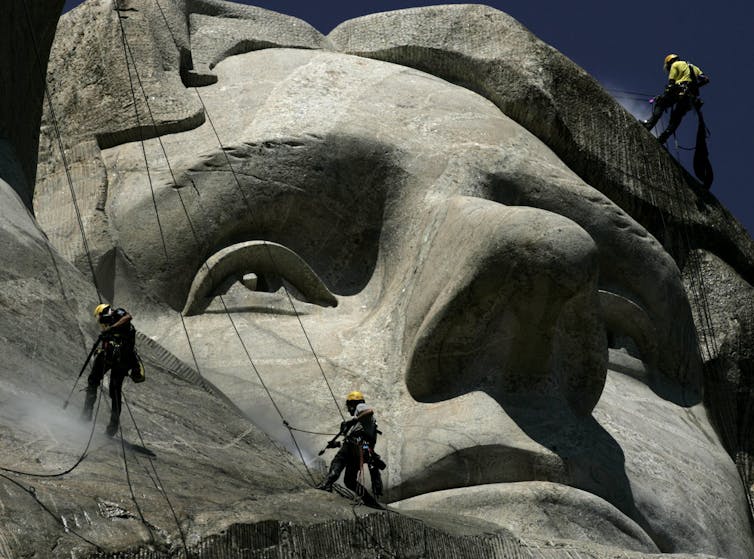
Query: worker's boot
376, 477
91, 397
368, 500
331, 478
112, 429
327, 484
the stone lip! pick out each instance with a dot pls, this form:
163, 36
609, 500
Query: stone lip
538, 510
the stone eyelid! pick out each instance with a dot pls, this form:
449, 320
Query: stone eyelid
260, 257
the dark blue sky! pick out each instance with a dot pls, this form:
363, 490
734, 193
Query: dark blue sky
622, 45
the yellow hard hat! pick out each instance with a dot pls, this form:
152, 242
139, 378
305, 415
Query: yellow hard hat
98, 310
668, 59
354, 396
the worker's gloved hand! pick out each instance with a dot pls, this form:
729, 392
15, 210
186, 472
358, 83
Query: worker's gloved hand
333, 444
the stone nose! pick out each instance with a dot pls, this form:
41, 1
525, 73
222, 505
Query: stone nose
515, 311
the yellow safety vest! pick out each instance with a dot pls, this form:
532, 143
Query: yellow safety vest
679, 72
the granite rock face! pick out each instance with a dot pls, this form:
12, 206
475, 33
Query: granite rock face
469, 230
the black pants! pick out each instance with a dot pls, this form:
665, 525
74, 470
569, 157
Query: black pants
119, 366
679, 105
350, 458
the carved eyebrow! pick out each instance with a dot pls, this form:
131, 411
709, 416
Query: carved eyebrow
257, 257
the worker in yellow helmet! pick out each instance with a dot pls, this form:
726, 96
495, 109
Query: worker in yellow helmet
680, 96
116, 354
360, 436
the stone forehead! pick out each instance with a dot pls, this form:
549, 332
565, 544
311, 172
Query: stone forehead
287, 92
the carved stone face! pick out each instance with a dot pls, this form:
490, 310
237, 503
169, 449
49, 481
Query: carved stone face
517, 333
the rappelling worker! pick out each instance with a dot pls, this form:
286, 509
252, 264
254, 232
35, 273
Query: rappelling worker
360, 436
116, 354
681, 94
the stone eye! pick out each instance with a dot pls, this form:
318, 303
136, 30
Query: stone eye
258, 266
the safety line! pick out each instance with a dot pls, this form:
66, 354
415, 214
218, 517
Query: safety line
227, 312
96, 286
159, 485
285, 454
66, 167
269, 252
245, 348
33, 492
62, 151
371, 535
708, 340
130, 484
94, 278
246, 201
126, 52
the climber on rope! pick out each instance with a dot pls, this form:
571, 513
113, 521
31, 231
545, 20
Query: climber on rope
680, 96
117, 354
360, 436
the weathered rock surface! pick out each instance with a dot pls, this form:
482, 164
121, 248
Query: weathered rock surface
503, 299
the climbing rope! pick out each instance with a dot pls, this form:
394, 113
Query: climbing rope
157, 482
146, 524
66, 166
288, 295
127, 52
270, 255
159, 485
626, 93
707, 338
66, 528
248, 205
